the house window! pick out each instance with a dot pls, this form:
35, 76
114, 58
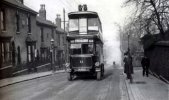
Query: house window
17, 22
42, 35
31, 46
59, 40
63, 40
19, 55
3, 21
52, 33
29, 23
31, 49
29, 53
47, 35
5, 53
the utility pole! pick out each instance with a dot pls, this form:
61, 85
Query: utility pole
65, 44
64, 18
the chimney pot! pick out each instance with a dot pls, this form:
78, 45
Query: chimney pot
58, 21
42, 11
44, 6
22, 1
58, 16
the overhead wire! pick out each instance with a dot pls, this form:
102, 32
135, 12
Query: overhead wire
67, 4
64, 4
77, 2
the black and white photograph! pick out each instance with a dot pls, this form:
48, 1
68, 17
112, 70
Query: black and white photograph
84, 50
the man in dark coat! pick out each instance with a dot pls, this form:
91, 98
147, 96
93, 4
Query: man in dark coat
125, 63
128, 67
145, 62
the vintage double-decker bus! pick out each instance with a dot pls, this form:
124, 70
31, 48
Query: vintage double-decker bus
85, 44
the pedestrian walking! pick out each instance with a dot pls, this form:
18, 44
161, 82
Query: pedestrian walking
128, 67
114, 64
130, 70
145, 62
125, 63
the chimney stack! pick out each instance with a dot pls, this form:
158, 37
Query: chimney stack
58, 21
21, 1
42, 11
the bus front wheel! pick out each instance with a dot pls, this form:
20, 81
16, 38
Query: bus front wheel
70, 76
98, 75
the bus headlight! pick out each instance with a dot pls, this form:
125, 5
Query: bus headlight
97, 64
67, 65
67, 69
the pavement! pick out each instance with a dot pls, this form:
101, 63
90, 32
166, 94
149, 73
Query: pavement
14, 80
147, 88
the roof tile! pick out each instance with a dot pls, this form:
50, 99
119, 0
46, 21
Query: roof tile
18, 5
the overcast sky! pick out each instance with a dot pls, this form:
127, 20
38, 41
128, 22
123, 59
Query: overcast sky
110, 12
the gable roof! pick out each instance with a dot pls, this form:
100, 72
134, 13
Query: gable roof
17, 4
42, 21
60, 30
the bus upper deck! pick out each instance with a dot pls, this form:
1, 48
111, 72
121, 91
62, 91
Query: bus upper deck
82, 23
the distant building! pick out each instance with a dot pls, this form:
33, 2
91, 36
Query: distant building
17, 35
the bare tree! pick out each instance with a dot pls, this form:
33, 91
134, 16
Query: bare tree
130, 33
152, 12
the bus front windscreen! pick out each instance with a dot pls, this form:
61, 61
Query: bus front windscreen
73, 25
81, 49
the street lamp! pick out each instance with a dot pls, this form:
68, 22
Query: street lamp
52, 42
52, 52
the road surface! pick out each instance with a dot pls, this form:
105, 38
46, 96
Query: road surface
57, 87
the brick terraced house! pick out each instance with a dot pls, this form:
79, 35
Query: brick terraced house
25, 40
17, 35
